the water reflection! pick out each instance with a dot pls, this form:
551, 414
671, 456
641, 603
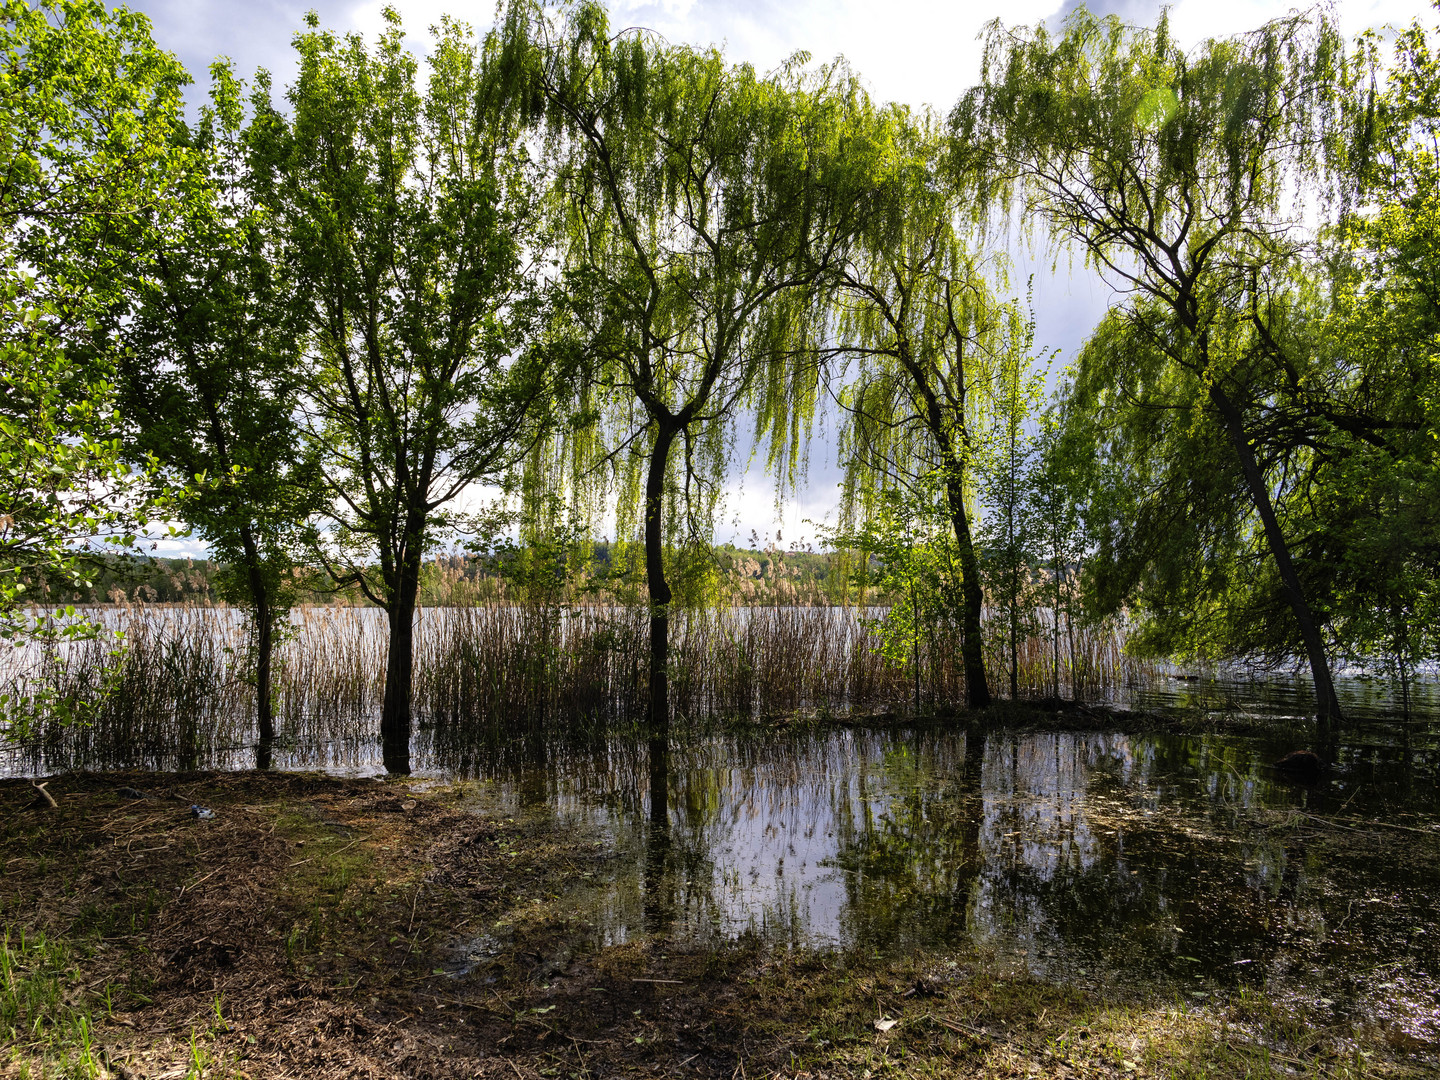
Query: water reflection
1182, 861
1173, 861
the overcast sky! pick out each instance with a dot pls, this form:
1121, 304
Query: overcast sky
914, 51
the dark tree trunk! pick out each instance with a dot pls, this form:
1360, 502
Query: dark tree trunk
264, 704
395, 712
1327, 706
1055, 614
977, 688
657, 711
264, 632
264, 613
1014, 641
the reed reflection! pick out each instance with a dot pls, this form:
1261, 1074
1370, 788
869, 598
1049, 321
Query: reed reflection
1121, 856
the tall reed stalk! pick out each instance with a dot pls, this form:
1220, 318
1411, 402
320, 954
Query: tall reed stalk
181, 695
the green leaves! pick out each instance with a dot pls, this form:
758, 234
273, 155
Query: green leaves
87, 108
1157, 108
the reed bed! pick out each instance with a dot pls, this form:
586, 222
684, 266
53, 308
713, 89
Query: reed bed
176, 690
1082, 662
162, 684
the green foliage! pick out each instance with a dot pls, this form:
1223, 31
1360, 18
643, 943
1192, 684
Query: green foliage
580, 270
87, 105
698, 202
209, 370
1380, 503
904, 550
1181, 198
410, 221
1009, 536
930, 342
62, 478
405, 214
211, 360
1059, 540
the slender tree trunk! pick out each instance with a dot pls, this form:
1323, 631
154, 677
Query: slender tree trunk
1011, 496
263, 612
1326, 704
657, 710
915, 615
1075, 679
395, 712
977, 688
1014, 650
1055, 611
264, 632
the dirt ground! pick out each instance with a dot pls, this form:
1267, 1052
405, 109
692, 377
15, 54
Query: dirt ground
313, 927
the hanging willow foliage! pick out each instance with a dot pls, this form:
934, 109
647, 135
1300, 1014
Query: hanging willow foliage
701, 205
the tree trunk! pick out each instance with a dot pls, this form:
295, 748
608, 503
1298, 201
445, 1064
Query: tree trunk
1015, 646
395, 712
1326, 704
264, 615
657, 710
977, 688
1055, 612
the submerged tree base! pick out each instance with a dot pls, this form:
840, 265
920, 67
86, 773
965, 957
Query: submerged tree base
332, 927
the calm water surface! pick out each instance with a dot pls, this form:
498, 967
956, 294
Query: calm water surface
1183, 863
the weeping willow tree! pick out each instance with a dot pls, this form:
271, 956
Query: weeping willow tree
1181, 176
929, 340
700, 206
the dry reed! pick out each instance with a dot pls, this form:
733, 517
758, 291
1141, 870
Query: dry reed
181, 695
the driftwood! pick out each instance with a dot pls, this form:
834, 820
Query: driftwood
47, 796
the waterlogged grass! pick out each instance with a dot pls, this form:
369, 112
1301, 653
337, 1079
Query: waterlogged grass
856, 1017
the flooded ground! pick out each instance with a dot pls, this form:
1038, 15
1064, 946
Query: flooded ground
1186, 865
1179, 864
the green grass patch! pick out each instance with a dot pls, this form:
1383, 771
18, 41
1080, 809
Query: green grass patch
47, 1017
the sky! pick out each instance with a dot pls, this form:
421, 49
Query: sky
919, 52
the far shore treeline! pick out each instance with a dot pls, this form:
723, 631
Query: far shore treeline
412, 323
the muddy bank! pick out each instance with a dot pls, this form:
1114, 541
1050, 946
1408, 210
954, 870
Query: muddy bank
320, 927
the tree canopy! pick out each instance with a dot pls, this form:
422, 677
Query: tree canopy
561, 271
88, 106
